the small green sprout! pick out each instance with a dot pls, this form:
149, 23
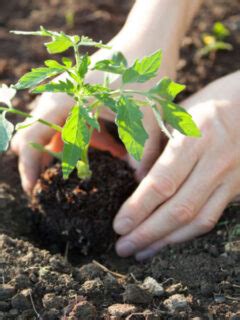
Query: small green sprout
89, 98
216, 40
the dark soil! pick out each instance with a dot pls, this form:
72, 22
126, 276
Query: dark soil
196, 280
79, 213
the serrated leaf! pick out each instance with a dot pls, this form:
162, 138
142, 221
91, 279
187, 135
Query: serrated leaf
130, 127
120, 59
88, 42
90, 118
84, 64
7, 94
76, 136
60, 86
60, 41
6, 132
143, 70
59, 44
118, 64
107, 101
54, 64
167, 89
179, 119
36, 76
67, 62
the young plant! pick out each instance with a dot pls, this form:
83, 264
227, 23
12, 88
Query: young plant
216, 40
83, 118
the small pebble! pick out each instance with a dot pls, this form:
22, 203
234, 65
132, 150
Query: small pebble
152, 286
176, 303
20, 301
83, 310
121, 310
52, 301
235, 316
135, 294
88, 272
6, 292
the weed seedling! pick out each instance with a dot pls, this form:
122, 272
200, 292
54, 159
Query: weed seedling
216, 40
126, 103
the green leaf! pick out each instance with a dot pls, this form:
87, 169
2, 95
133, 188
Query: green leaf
160, 121
167, 89
179, 119
67, 62
107, 101
90, 118
76, 136
119, 59
220, 31
84, 63
60, 41
60, 86
6, 132
59, 44
117, 64
88, 42
130, 127
54, 64
143, 70
216, 46
36, 76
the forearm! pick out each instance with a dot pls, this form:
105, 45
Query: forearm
159, 24
153, 25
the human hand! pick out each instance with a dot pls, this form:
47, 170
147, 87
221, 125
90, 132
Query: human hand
32, 161
187, 189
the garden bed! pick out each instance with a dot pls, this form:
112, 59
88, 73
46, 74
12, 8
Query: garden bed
200, 279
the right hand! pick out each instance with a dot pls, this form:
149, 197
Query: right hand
53, 108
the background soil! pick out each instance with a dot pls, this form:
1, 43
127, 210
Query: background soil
197, 280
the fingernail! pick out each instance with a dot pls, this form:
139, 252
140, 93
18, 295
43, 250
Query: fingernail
145, 254
123, 225
125, 248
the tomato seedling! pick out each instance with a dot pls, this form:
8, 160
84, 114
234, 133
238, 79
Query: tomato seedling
216, 40
83, 118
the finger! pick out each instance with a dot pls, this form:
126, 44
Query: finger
177, 212
203, 223
105, 141
29, 167
160, 184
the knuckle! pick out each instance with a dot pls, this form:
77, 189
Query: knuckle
144, 236
136, 209
182, 213
207, 224
225, 163
164, 187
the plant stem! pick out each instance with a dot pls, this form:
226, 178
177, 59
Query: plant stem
26, 115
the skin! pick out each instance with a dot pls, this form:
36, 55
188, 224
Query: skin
186, 184
193, 180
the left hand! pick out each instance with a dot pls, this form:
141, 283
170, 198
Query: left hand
191, 183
